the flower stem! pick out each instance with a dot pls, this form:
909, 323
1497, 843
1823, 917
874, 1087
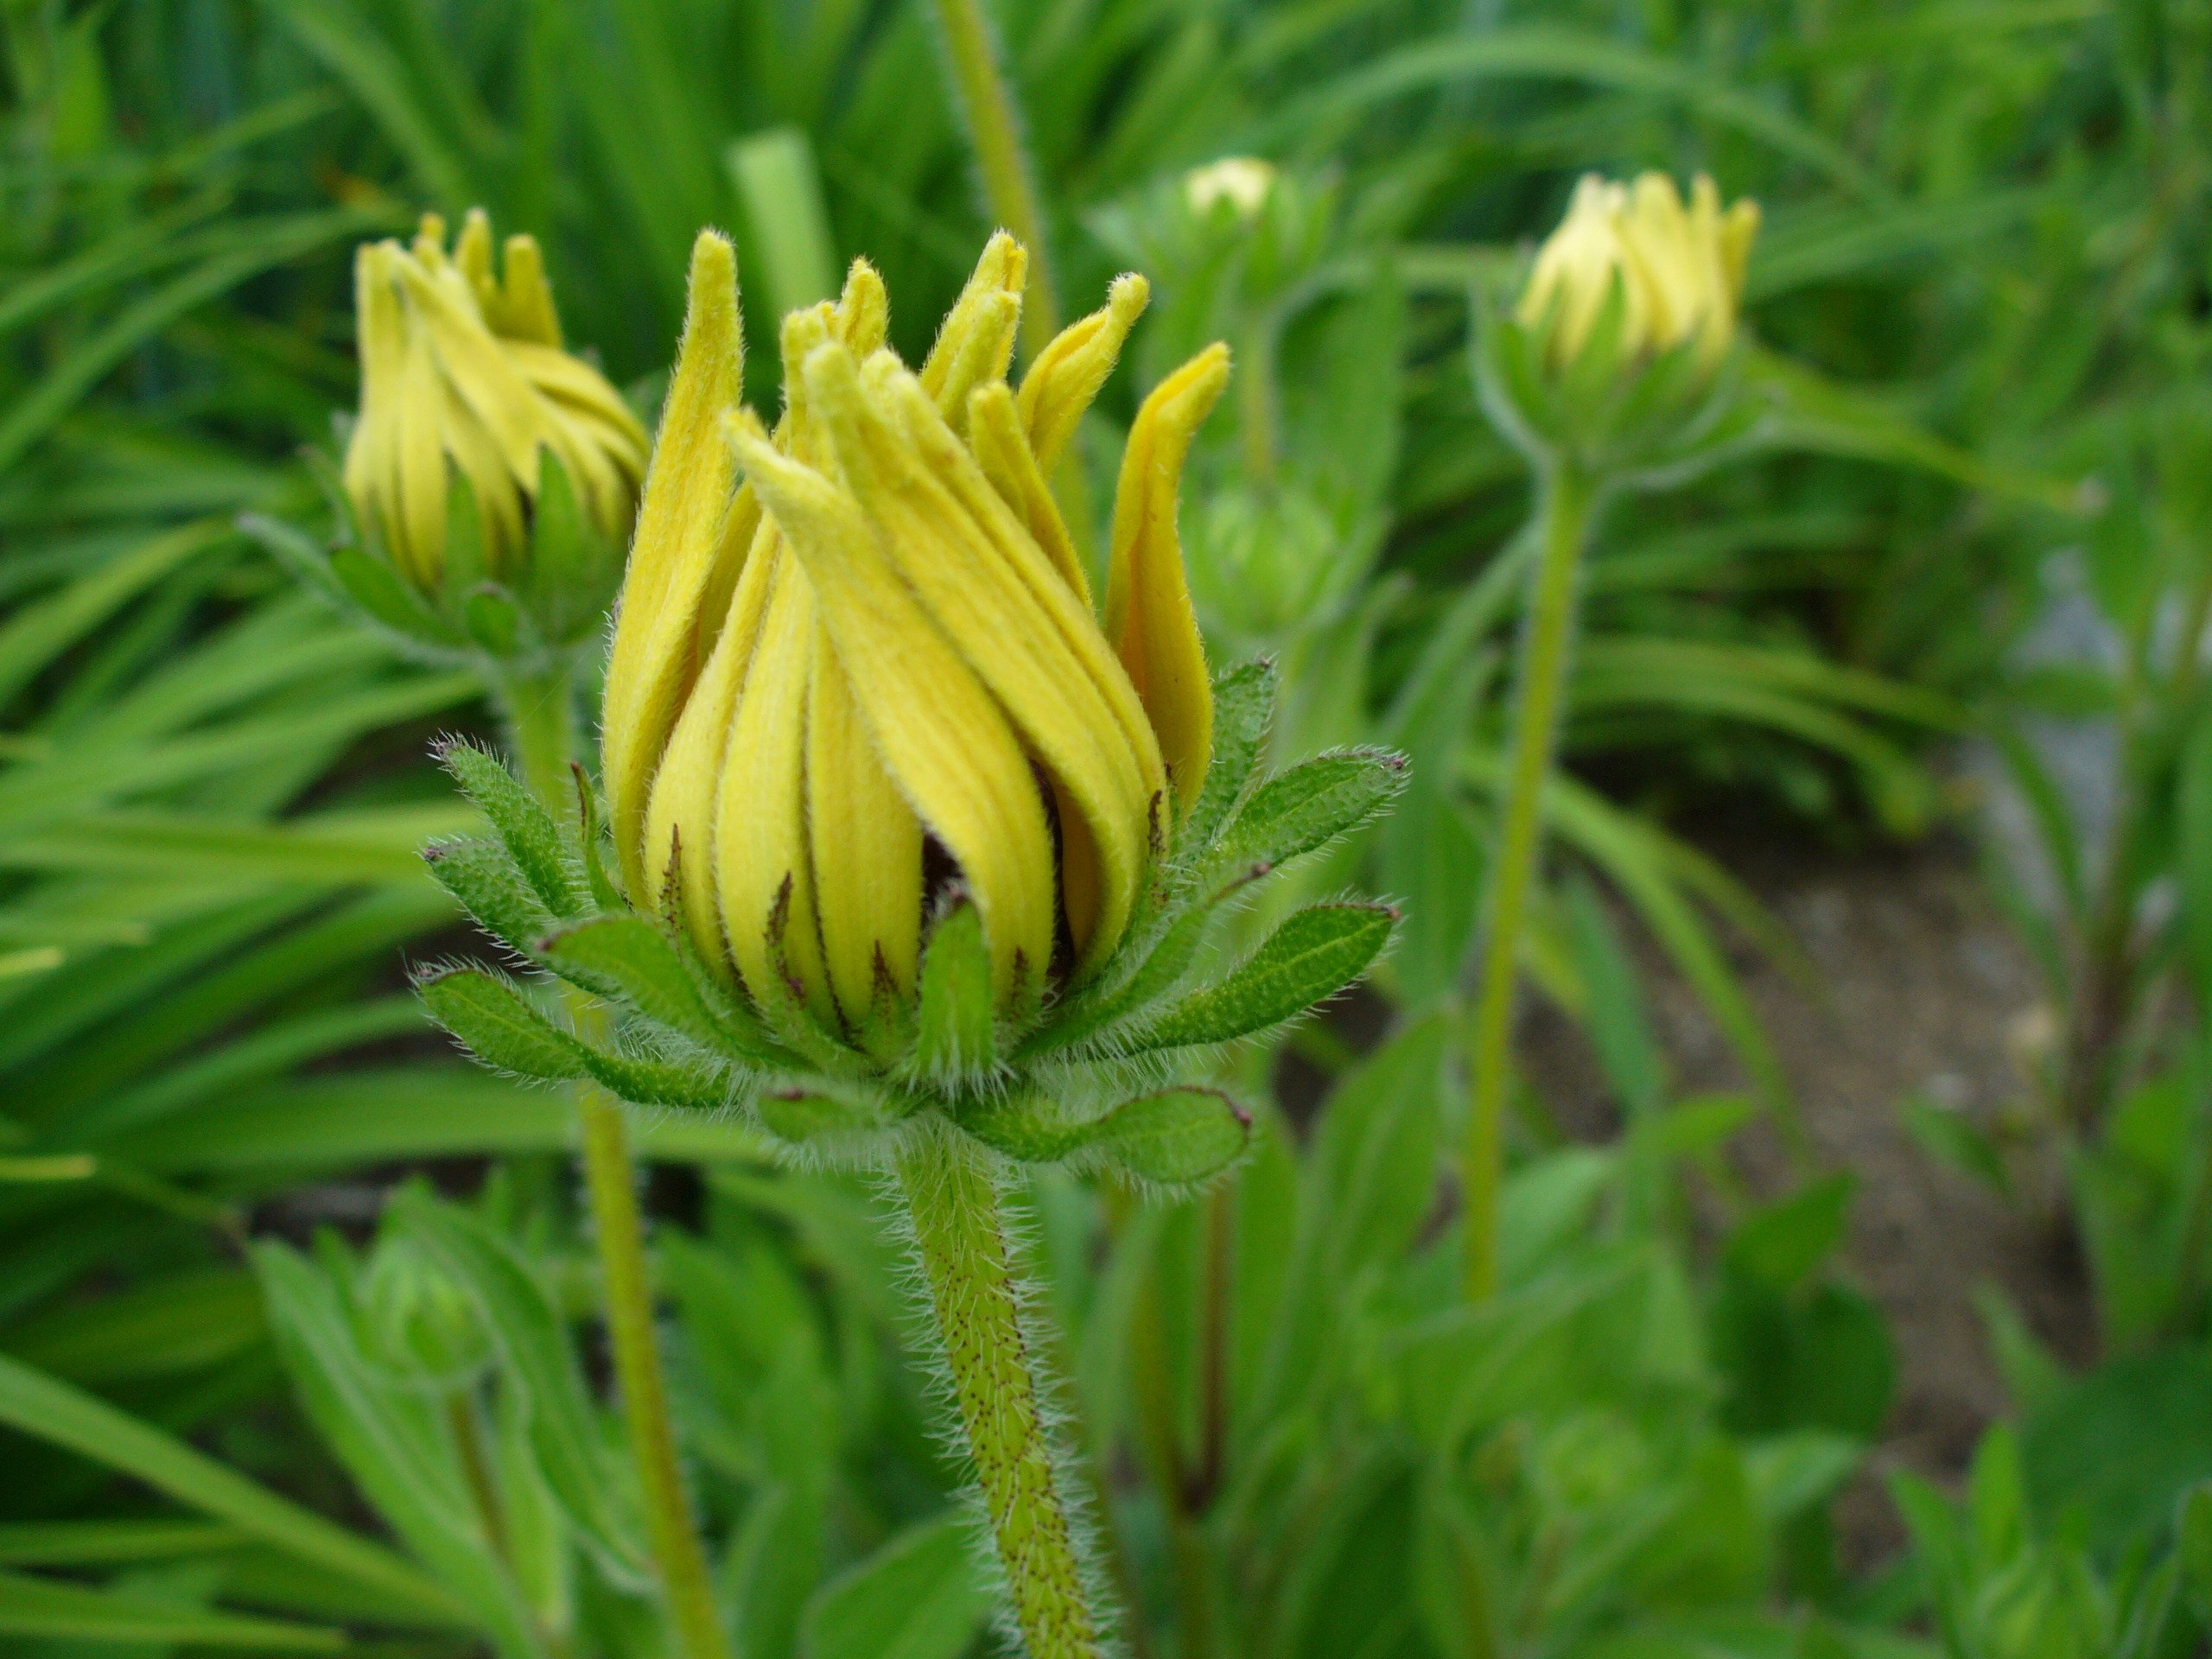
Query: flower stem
609, 1176
995, 128
541, 728
966, 1257
1565, 498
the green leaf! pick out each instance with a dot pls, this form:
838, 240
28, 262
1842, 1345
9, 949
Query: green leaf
94, 1544
499, 1026
1781, 1245
1313, 955
780, 189
1313, 804
481, 875
918, 1597
44, 1607
2193, 1544
954, 1034
532, 1338
37, 1405
630, 957
521, 821
1176, 1138
1243, 702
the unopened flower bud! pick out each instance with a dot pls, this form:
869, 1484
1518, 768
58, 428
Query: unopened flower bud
1677, 270
464, 377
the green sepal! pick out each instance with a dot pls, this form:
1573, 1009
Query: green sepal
480, 873
500, 1026
1313, 955
629, 957
1243, 702
520, 820
812, 1118
1177, 1137
591, 834
954, 1027
1173, 1138
1312, 804
566, 582
389, 598
466, 561
1158, 971
494, 620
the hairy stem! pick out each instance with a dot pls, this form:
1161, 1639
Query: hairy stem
968, 1259
994, 124
540, 727
1564, 504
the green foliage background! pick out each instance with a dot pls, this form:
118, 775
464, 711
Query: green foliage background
1979, 302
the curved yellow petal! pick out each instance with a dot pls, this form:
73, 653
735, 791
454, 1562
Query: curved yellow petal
525, 310
1148, 614
975, 343
1068, 373
674, 554
1002, 451
680, 820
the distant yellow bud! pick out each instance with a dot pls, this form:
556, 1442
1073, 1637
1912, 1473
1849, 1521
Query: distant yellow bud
463, 376
872, 668
1242, 181
1679, 268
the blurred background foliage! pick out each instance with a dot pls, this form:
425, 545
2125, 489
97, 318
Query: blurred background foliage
231, 1362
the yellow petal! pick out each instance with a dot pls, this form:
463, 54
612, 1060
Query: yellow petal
1070, 371
941, 737
866, 848
994, 434
673, 554
382, 328
1148, 614
525, 304
976, 342
992, 594
863, 315
417, 530
764, 875
476, 367
472, 257
680, 822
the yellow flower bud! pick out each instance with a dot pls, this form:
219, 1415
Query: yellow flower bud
1242, 181
871, 668
1678, 268
463, 376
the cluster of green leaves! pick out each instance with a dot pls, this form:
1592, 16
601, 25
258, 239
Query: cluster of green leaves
1983, 220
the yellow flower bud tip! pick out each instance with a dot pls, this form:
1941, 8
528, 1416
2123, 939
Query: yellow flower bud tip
462, 380
653, 663
908, 661
1069, 373
1242, 181
1678, 268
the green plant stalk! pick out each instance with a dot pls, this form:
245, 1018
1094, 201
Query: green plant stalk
1565, 502
968, 1261
995, 129
541, 725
